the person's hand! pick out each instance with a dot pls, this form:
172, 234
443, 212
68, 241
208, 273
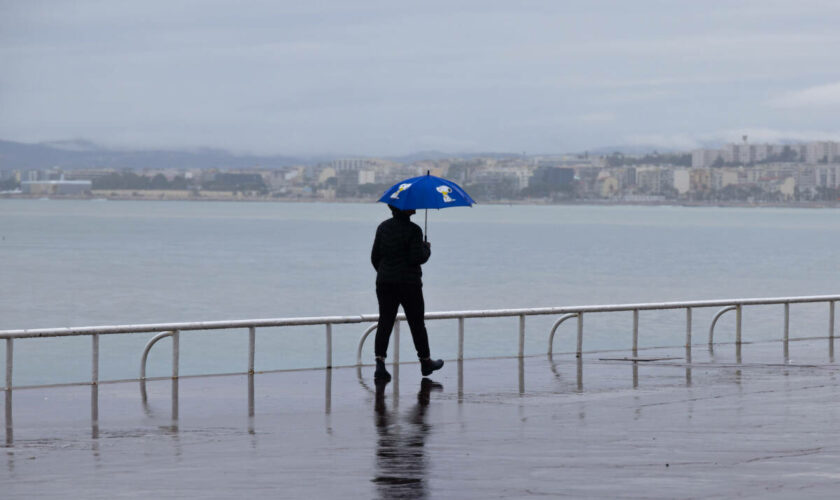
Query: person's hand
428, 245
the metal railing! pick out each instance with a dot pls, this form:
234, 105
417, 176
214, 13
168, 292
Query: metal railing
173, 329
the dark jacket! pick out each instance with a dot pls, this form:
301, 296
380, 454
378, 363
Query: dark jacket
398, 250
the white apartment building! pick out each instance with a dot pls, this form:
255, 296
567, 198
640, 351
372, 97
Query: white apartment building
720, 178
806, 178
772, 171
743, 154
519, 175
747, 154
702, 158
822, 152
654, 180
349, 164
682, 180
367, 176
827, 176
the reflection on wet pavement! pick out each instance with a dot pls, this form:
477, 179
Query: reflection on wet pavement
688, 422
400, 453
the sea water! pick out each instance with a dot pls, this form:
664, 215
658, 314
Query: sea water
82, 263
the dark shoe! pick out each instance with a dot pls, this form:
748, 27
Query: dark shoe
381, 374
428, 365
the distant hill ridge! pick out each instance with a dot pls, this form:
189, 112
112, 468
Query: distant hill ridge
80, 153
85, 154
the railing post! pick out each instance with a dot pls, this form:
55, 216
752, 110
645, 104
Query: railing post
9, 356
635, 332
396, 342
831, 319
580, 335
688, 327
521, 335
787, 321
738, 324
460, 338
176, 353
329, 345
94, 377
252, 344
8, 406
785, 343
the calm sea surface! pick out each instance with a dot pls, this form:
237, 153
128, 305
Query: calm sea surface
77, 263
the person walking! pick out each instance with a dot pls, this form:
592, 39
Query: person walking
397, 254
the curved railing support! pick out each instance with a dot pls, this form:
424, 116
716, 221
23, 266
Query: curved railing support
370, 330
149, 345
714, 322
554, 330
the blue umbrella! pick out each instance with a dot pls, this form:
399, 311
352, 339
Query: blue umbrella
426, 191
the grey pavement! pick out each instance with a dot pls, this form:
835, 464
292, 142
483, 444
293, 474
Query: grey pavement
753, 424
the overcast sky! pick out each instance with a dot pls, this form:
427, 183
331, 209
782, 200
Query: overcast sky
384, 78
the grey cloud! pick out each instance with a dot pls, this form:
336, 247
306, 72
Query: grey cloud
819, 97
376, 77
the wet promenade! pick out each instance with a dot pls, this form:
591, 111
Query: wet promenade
720, 424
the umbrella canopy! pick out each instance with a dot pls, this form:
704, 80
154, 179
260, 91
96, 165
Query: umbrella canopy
426, 191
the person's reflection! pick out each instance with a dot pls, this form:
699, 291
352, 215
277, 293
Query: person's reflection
400, 457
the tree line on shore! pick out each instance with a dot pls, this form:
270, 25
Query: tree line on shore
130, 180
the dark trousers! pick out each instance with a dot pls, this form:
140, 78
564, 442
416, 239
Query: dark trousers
410, 296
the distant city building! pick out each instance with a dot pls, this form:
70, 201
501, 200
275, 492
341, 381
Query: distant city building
748, 154
344, 164
827, 176
55, 187
626, 177
654, 180
349, 164
720, 178
682, 180
806, 178
87, 174
326, 174
553, 177
702, 158
822, 152
516, 177
701, 179
346, 182
743, 172
607, 185
567, 161
367, 177
236, 182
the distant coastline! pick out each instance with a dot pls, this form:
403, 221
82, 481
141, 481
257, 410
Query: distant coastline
172, 195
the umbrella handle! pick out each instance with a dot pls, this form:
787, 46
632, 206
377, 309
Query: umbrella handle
426, 227
426, 224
